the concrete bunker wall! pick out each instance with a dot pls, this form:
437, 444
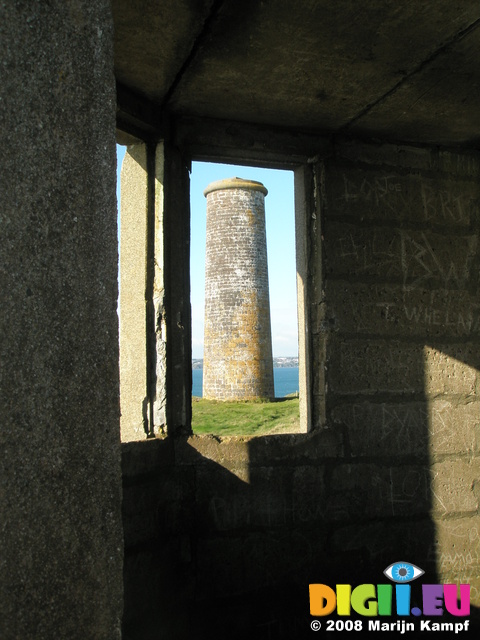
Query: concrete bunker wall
390, 468
215, 527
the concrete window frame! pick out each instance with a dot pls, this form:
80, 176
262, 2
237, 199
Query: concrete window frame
167, 269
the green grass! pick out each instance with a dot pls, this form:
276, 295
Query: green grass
245, 418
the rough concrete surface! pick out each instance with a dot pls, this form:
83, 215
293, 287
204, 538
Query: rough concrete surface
400, 71
132, 305
391, 466
375, 105
61, 538
390, 469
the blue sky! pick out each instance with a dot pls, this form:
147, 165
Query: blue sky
279, 213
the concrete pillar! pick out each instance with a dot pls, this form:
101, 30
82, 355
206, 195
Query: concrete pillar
177, 314
133, 259
156, 291
238, 346
305, 247
60, 479
142, 333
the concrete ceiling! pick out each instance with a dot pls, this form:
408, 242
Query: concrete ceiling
402, 70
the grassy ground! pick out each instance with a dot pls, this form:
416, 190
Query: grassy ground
245, 418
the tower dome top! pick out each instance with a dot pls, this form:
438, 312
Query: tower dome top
235, 183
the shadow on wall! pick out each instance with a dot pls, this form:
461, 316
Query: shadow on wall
228, 548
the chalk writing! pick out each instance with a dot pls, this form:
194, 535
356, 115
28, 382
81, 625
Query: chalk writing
237, 510
423, 262
458, 561
408, 490
374, 190
409, 428
464, 322
377, 366
411, 197
421, 259
448, 206
371, 251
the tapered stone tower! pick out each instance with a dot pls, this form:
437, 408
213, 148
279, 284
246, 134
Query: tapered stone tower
237, 362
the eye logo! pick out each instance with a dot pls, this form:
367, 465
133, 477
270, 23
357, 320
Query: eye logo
403, 572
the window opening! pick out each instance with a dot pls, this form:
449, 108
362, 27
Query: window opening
281, 414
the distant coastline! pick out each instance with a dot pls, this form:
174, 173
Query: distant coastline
278, 363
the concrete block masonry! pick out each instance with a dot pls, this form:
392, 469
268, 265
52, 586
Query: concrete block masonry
393, 472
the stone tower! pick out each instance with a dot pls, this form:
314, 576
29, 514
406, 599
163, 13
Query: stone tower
238, 362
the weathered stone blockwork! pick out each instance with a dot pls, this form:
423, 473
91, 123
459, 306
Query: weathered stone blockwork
398, 326
238, 345
240, 526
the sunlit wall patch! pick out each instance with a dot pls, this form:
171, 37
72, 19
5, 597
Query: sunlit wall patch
403, 572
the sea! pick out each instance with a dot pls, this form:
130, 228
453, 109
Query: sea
285, 380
